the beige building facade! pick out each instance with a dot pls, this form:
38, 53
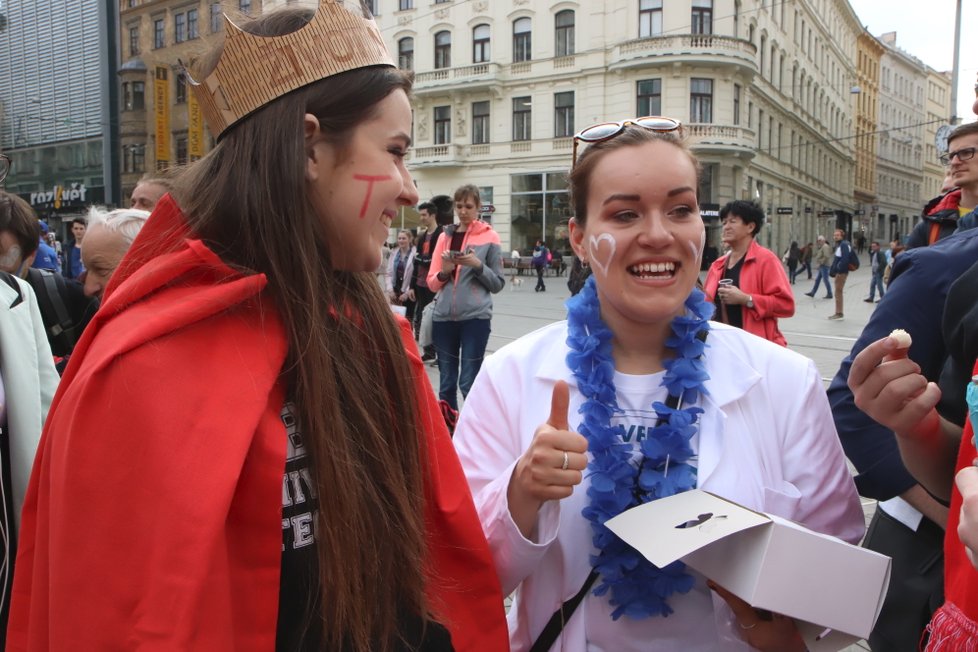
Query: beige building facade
783, 102
763, 88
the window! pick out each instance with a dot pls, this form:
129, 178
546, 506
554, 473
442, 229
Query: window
244, 6
480, 44
405, 53
702, 18
179, 28
700, 100
564, 33
133, 41
192, 31
374, 9
649, 18
521, 118
443, 125
736, 104
521, 40
539, 210
158, 33
443, 50
480, 122
216, 23
181, 143
405, 4
564, 114
138, 157
181, 93
649, 97
133, 96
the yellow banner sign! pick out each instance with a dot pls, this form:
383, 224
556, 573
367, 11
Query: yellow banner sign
161, 105
195, 128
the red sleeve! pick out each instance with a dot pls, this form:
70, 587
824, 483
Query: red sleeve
770, 289
464, 588
713, 278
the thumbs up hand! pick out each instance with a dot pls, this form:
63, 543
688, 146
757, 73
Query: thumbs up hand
550, 468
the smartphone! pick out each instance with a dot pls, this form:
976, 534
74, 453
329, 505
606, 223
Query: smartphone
453, 253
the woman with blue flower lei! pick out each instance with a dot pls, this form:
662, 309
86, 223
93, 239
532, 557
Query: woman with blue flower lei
635, 397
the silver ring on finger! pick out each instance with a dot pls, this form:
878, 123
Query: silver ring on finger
566, 463
751, 626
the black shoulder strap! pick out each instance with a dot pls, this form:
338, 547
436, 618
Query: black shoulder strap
12, 282
560, 617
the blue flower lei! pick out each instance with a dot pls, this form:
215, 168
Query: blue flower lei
638, 588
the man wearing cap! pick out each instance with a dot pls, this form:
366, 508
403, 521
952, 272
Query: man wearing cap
46, 257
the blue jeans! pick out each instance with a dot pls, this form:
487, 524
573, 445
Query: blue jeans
459, 342
876, 281
822, 275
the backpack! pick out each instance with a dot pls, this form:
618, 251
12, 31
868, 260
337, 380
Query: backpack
853, 260
50, 289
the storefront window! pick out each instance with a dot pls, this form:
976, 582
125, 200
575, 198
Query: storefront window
540, 209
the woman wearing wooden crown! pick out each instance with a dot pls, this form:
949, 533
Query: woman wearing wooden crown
637, 396
246, 453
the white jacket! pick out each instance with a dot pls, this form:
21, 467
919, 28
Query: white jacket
29, 381
766, 441
392, 271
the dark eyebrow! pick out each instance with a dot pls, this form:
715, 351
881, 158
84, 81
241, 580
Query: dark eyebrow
620, 197
403, 136
679, 191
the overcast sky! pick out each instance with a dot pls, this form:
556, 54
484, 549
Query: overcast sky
925, 29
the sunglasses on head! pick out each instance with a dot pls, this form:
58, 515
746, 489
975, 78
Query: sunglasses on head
608, 130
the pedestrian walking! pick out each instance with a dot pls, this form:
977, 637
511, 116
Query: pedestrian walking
806, 259
877, 264
540, 261
823, 259
839, 270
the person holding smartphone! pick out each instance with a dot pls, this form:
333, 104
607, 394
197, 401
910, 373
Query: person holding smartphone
466, 270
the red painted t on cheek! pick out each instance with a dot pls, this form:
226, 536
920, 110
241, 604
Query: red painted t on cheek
371, 180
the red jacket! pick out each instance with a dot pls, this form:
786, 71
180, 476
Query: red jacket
153, 516
763, 278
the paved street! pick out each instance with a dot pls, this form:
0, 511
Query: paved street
519, 310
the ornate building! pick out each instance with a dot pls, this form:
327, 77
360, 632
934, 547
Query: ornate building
160, 124
763, 88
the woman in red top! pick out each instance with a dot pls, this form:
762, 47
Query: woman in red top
748, 284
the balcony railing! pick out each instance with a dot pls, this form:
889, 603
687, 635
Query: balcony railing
480, 75
725, 136
685, 45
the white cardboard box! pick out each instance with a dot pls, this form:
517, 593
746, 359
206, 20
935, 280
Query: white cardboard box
820, 581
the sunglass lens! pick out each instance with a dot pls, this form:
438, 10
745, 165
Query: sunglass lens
657, 123
599, 132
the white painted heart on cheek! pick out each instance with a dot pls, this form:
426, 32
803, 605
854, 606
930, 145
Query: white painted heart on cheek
698, 253
602, 254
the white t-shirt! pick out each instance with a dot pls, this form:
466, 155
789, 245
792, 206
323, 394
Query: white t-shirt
691, 626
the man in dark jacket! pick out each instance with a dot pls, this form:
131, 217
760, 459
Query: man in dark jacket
435, 214
909, 524
840, 270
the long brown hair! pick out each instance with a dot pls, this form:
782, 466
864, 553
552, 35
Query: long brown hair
346, 369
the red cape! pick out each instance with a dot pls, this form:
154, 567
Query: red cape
153, 516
